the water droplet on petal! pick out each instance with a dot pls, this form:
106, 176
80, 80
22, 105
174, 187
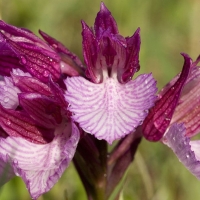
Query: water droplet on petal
187, 155
55, 46
46, 73
2, 83
23, 60
6, 99
168, 119
5, 88
8, 122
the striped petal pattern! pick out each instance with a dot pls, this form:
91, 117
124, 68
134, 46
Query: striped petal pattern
110, 110
187, 111
40, 166
187, 151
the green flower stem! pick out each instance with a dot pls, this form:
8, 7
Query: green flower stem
101, 174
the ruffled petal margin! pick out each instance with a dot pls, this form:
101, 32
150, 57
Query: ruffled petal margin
40, 166
110, 110
188, 152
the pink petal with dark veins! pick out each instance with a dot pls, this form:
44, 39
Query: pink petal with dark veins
110, 110
40, 166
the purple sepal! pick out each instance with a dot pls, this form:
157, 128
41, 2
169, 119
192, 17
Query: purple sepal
19, 124
58, 94
34, 55
70, 64
30, 84
188, 152
90, 54
160, 115
40, 166
41, 108
106, 52
188, 109
132, 57
104, 22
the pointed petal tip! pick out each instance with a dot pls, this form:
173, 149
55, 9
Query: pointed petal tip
138, 31
185, 55
103, 7
84, 25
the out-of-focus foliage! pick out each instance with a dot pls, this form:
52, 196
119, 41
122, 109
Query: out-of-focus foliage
168, 27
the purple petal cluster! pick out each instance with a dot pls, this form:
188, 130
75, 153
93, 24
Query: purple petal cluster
47, 96
106, 52
37, 136
175, 118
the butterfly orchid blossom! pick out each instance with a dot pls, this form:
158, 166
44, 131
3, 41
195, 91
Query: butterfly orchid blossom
37, 137
42, 112
109, 105
175, 117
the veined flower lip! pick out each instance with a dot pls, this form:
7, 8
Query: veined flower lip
110, 110
40, 166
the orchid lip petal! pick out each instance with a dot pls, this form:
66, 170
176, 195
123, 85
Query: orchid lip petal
110, 110
188, 152
160, 115
40, 166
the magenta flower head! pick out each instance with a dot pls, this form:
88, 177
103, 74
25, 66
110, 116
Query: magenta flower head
37, 137
175, 117
108, 104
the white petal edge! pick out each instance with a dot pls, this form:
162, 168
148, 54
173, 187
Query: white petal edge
110, 110
8, 94
187, 151
40, 166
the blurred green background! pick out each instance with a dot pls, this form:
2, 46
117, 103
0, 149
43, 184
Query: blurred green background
168, 27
